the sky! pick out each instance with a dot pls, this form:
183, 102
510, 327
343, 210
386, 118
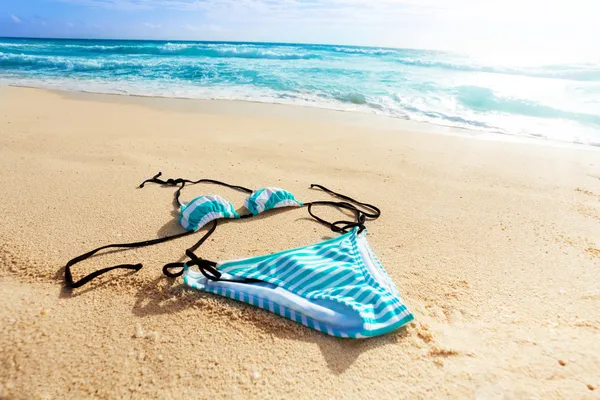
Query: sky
526, 25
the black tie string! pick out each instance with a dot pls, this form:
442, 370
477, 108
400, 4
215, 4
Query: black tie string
74, 285
135, 267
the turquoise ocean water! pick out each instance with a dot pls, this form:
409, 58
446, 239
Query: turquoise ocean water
519, 96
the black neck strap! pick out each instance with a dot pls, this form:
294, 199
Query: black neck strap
135, 267
182, 182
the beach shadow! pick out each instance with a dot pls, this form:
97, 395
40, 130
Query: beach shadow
345, 212
171, 228
166, 296
339, 353
263, 215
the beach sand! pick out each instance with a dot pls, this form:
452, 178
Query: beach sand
494, 245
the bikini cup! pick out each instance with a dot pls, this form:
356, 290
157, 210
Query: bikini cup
269, 198
204, 209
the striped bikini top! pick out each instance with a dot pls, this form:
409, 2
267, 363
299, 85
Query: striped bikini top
338, 287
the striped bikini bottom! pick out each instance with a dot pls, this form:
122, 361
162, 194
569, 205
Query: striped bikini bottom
337, 287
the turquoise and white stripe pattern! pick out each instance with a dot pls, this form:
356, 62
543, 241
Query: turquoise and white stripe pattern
268, 198
203, 209
340, 278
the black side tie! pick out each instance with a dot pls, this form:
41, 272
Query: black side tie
208, 264
374, 213
206, 267
344, 226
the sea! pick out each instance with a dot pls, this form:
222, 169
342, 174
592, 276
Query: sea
551, 97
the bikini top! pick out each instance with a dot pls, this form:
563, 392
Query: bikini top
205, 209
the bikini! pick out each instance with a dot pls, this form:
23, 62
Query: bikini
338, 286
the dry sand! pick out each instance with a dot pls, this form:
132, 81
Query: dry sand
494, 246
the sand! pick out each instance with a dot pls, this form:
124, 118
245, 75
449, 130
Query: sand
495, 246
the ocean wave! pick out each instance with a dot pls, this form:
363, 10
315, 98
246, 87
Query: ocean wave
409, 58
235, 52
419, 109
353, 98
21, 45
174, 49
64, 63
394, 106
485, 100
364, 50
478, 99
572, 72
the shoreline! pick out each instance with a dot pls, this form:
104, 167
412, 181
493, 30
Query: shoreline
355, 117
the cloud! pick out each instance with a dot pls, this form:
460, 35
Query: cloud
152, 26
205, 28
15, 19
